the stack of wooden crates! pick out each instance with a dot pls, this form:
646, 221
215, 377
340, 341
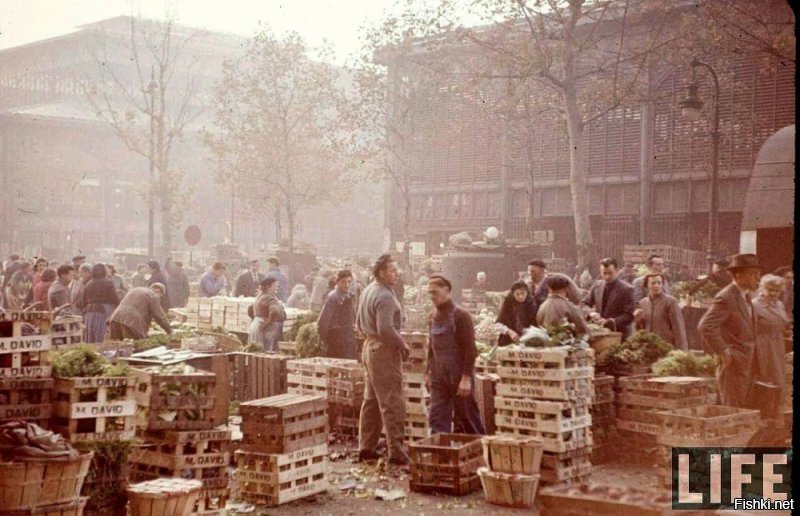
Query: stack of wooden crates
547, 393
415, 391
603, 412
176, 425
26, 381
284, 451
640, 399
511, 475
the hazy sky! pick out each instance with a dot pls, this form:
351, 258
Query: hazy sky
24, 21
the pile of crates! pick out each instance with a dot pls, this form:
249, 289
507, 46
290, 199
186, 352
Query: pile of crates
284, 451
547, 393
415, 392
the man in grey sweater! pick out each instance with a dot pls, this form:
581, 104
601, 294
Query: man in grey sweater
378, 319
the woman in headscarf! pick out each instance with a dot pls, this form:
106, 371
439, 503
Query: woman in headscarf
267, 325
771, 321
660, 313
100, 299
517, 312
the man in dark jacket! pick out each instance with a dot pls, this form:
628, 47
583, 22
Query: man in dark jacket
451, 361
157, 276
58, 296
283, 281
248, 281
177, 284
132, 318
612, 300
337, 319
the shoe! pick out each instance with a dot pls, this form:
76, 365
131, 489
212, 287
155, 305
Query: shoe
368, 455
402, 460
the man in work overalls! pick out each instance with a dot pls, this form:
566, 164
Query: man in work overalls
451, 360
379, 319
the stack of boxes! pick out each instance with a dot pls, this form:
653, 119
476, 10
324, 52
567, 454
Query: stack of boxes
547, 393
346, 384
603, 412
176, 425
25, 374
415, 391
284, 451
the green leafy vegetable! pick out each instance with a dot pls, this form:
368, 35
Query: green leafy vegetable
308, 341
641, 348
682, 363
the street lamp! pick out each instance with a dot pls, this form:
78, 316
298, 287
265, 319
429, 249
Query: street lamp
690, 109
152, 88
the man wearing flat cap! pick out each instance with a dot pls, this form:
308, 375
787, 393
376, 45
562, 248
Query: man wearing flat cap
728, 330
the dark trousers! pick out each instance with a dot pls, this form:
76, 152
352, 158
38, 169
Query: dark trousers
453, 413
117, 331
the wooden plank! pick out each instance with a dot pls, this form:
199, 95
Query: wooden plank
545, 374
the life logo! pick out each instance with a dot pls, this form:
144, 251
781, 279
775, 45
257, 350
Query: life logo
732, 478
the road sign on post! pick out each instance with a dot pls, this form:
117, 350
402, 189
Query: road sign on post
192, 236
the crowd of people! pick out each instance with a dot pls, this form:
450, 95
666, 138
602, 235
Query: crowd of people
744, 327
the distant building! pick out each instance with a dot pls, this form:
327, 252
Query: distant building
67, 181
648, 167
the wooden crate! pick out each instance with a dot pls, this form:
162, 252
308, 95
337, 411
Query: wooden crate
203, 454
416, 427
256, 376
25, 357
192, 404
287, 348
417, 360
26, 398
508, 490
415, 319
557, 373
563, 467
604, 499
276, 479
485, 387
544, 416
94, 409
346, 384
283, 423
309, 376
708, 426
67, 330
344, 419
554, 442
603, 389
416, 395
446, 463
483, 366
163, 496
513, 455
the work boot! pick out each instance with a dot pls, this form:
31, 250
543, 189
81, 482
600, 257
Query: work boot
368, 455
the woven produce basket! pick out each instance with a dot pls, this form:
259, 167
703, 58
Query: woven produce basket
26, 485
174, 496
508, 490
513, 454
74, 508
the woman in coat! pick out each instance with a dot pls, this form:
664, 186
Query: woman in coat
100, 300
41, 289
517, 312
267, 325
660, 313
771, 323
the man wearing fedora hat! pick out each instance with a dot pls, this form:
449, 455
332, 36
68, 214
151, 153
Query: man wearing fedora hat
728, 330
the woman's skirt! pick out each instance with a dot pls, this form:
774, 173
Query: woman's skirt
95, 323
267, 335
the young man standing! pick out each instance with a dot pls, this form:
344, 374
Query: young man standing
451, 360
337, 319
612, 300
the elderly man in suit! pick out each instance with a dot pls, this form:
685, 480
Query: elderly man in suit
729, 331
248, 281
611, 299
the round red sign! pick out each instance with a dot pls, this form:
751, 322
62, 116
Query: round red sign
192, 235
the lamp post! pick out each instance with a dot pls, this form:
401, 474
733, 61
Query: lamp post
690, 109
152, 88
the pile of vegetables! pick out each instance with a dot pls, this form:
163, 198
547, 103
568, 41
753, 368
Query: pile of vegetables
84, 361
302, 320
564, 334
682, 363
173, 390
485, 326
641, 348
308, 341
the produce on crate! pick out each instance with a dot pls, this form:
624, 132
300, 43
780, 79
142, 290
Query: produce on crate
308, 341
84, 361
682, 363
641, 348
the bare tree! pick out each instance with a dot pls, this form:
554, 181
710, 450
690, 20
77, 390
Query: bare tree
146, 92
278, 119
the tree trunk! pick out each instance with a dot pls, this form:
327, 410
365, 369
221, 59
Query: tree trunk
531, 198
577, 181
290, 217
406, 228
278, 228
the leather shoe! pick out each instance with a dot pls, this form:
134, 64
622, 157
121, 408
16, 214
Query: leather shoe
368, 455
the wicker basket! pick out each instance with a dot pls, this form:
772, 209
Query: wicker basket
603, 341
74, 508
513, 454
508, 490
174, 496
26, 485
